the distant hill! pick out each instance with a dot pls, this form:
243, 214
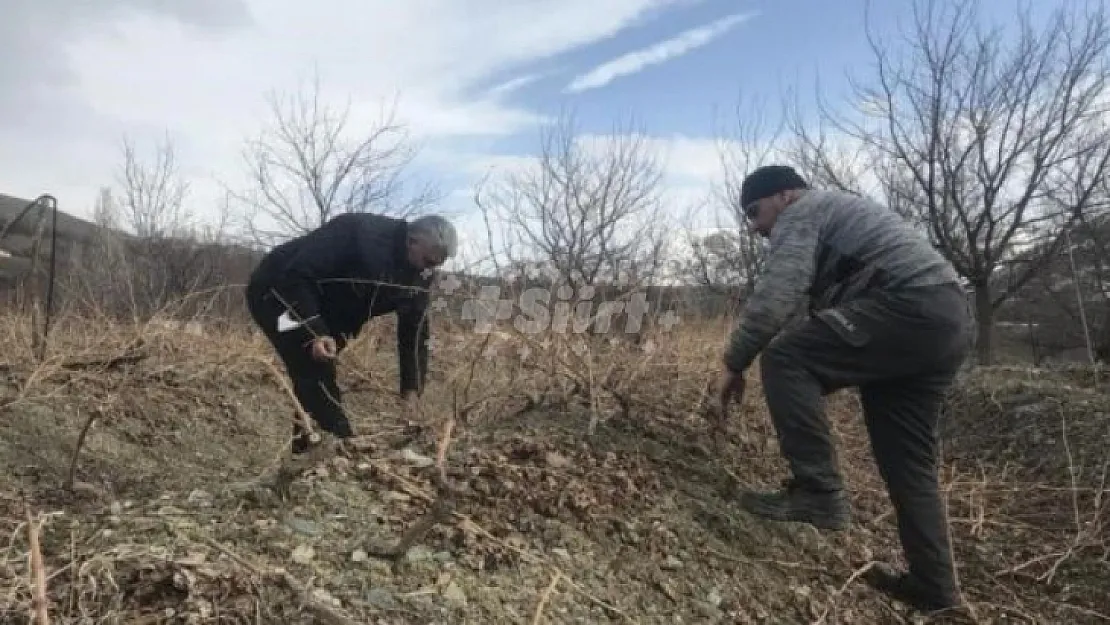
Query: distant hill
72, 232
69, 227
156, 269
15, 249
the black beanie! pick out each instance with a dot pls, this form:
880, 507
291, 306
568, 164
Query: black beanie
769, 180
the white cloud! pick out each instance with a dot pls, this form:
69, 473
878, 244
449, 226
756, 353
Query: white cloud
661, 52
512, 85
200, 69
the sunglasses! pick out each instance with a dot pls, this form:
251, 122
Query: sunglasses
751, 210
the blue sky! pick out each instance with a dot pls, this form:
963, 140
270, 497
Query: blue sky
736, 50
198, 71
786, 44
774, 45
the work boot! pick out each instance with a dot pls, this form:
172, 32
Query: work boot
824, 510
912, 591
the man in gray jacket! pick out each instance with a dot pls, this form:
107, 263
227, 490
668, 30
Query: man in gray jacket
887, 316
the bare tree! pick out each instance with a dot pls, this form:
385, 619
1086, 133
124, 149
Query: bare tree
312, 165
752, 140
722, 262
1069, 300
828, 158
150, 253
719, 258
991, 143
152, 194
587, 211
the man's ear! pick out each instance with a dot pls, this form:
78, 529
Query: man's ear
786, 198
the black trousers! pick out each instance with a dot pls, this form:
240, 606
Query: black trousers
902, 351
314, 382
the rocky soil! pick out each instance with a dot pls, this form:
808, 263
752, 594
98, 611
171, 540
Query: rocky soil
635, 523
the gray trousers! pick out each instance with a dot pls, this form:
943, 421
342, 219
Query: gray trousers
902, 351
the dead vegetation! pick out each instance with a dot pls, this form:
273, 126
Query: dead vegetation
635, 522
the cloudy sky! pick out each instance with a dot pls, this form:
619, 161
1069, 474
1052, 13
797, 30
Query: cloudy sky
471, 79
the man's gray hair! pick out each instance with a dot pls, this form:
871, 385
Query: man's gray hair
437, 231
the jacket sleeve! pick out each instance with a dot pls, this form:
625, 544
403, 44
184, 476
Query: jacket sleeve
413, 335
781, 290
320, 253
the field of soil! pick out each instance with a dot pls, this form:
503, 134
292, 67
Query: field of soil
633, 522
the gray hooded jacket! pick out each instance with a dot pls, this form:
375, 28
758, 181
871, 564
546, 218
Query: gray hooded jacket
825, 249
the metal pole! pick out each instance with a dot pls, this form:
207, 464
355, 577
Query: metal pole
50, 203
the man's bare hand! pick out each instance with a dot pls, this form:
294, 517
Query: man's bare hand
323, 348
731, 390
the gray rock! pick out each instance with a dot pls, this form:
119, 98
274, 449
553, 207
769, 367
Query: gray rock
200, 498
671, 564
419, 553
416, 459
381, 599
303, 527
455, 595
556, 461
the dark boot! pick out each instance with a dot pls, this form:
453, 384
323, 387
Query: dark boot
913, 592
824, 510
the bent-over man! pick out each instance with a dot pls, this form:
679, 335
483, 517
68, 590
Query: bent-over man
311, 295
887, 316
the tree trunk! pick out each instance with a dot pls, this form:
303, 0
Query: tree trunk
1102, 343
984, 319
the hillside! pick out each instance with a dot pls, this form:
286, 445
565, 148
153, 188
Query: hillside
635, 523
70, 227
16, 245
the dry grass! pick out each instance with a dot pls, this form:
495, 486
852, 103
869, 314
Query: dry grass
592, 489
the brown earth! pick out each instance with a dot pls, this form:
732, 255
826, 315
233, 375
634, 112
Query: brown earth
634, 523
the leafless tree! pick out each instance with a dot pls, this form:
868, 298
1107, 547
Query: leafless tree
585, 220
826, 157
312, 164
1069, 300
152, 193
751, 140
589, 211
992, 143
150, 252
720, 262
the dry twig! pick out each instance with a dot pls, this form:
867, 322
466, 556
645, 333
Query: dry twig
858, 573
545, 597
39, 604
323, 612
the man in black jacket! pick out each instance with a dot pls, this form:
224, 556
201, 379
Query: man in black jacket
311, 295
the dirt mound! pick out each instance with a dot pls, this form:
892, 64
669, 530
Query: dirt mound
635, 523
1027, 453
1046, 425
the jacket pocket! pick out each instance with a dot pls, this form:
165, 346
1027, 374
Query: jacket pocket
844, 327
